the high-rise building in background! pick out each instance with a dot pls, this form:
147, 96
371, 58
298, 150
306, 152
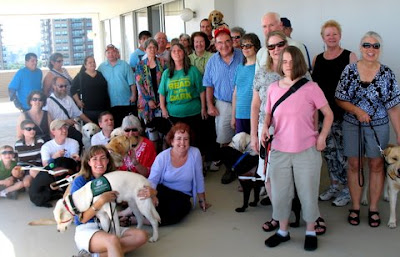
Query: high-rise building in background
68, 37
3, 54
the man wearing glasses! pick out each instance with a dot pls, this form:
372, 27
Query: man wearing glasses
62, 107
24, 82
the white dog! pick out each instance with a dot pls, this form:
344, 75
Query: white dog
88, 131
117, 132
392, 157
128, 185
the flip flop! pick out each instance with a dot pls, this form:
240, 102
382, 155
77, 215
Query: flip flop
319, 226
272, 225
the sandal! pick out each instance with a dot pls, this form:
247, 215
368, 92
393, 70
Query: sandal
373, 223
354, 221
271, 225
320, 227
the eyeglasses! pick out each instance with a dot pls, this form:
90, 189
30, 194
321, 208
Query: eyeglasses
236, 37
62, 86
131, 130
369, 45
29, 128
59, 61
35, 99
246, 46
280, 44
7, 152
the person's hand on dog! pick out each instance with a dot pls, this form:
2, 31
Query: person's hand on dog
70, 122
109, 196
148, 192
17, 172
132, 156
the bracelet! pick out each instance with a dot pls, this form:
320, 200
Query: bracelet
93, 208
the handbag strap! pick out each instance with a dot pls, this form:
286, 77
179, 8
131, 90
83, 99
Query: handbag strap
60, 105
291, 90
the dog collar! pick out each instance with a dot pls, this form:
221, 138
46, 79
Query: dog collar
71, 201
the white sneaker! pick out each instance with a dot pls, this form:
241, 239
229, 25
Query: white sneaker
3, 193
329, 194
343, 198
83, 253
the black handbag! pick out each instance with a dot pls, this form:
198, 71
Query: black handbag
292, 89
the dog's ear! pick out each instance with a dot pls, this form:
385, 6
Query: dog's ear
387, 151
222, 16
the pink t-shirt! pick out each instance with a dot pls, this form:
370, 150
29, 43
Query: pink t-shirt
293, 119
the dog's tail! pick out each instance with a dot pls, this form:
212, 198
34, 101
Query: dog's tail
41, 222
155, 213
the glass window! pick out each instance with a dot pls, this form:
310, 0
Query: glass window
116, 32
174, 25
129, 37
141, 20
107, 32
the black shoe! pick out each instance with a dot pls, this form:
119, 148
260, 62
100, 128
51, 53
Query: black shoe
12, 195
310, 243
228, 177
276, 239
266, 201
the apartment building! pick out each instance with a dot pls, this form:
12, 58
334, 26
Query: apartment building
68, 37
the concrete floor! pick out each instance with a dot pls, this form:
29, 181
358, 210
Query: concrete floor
219, 232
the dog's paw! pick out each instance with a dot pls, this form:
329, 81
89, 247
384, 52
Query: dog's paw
241, 209
392, 224
364, 202
153, 239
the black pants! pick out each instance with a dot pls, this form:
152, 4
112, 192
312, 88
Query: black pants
119, 113
173, 205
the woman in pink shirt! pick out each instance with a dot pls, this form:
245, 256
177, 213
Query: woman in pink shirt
295, 158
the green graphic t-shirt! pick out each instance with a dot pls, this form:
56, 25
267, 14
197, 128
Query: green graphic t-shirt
182, 92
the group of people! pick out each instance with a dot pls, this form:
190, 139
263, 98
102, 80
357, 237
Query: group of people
211, 86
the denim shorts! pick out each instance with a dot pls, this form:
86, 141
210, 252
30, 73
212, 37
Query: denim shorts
370, 144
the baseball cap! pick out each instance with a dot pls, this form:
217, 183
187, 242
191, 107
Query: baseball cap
221, 30
111, 47
286, 22
57, 124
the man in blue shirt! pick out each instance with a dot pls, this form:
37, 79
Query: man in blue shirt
218, 78
138, 54
121, 85
24, 82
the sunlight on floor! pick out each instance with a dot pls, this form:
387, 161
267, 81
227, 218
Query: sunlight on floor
7, 107
7, 248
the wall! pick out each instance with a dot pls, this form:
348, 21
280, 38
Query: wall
307, 16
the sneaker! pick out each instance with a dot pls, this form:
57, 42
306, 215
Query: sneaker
82, 253
214, 166
12, 195
343, 198
3, 193
276, 239
330, 193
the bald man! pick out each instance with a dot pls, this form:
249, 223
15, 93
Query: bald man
271, 21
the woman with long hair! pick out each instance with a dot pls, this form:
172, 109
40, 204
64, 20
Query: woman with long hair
56, 69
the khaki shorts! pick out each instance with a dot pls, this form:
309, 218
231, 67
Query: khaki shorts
223, 122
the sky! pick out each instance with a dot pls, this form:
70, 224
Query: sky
20, 33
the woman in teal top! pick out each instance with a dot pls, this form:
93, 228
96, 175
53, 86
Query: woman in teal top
182, 95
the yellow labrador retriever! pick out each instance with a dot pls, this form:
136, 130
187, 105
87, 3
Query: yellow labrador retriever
127, 184
392, 157
119, 146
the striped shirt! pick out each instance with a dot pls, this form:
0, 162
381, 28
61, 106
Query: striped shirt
29, 153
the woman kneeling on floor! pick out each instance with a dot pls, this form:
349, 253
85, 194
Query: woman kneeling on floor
89, 238
295, 156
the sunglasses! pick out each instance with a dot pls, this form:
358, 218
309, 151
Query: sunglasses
7, 152
62, 86
36, 99
29, 128
369, 45
236, 37
131, 130
280, 44
246, 46
59, 61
